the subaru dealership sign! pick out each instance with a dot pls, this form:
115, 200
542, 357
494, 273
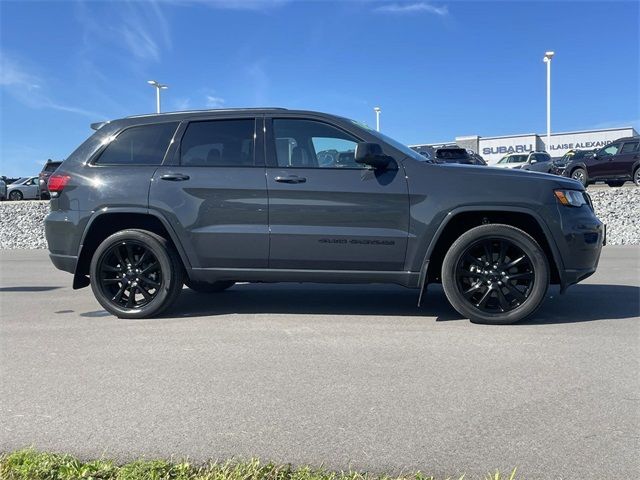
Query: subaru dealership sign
493, 149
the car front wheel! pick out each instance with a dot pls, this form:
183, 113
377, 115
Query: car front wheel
495, 274
135, 274
16, 195
636, 177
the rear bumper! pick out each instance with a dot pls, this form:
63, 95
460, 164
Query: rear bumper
65, 263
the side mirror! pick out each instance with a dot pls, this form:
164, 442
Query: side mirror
371, 154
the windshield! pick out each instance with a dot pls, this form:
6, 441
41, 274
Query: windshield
394, 143
20, 180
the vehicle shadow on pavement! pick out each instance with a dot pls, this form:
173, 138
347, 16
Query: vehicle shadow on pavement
313, 299
585, 303
581, 303
27, 289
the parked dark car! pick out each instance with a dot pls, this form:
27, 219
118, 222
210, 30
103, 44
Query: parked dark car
43, 178
457, 155
210, 198
3, 189
614, 164
558, 165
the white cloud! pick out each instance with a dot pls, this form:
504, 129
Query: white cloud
259, 81
137, 28
401, 8
181, 104
30, 90
214, 102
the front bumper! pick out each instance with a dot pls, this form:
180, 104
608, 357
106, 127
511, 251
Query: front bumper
581, 238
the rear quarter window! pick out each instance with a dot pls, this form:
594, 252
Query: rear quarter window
141, 145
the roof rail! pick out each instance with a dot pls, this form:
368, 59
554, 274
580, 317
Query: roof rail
239, 109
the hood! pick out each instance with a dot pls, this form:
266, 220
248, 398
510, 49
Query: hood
513, 174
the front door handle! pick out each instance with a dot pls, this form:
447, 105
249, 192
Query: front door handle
290, 179
174, 177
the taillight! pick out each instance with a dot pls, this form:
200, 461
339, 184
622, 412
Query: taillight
57, 183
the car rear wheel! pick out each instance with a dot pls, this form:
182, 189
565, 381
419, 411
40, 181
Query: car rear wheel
495, 274
16, 195
580, 174
636, 176
204, 287
135, 274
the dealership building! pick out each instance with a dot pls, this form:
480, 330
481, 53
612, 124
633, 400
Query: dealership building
493, 149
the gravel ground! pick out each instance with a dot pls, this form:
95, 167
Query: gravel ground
21, 223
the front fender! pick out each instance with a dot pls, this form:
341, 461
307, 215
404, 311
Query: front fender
430, 246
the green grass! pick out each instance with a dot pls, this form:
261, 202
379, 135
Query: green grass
30, 464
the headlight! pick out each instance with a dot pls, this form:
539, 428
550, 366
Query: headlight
570, 198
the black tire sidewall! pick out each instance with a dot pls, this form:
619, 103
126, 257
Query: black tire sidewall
170, 274
496, 231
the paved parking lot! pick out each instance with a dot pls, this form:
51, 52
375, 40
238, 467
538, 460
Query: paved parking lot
335, 375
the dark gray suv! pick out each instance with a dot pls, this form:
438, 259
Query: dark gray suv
209, 198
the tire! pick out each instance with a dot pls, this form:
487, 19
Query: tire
486, 294
113, 274
16, 195
636, 176
204, 287
615, 183
580, 174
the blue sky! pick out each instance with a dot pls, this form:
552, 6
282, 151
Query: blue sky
437, 69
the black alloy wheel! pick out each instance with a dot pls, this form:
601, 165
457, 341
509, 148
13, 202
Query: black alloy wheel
130, 274
495, 274
136, 274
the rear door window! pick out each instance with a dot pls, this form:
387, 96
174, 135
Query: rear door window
141, 145
219, 143
629, 147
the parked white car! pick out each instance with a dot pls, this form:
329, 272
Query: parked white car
25, 188
512, 161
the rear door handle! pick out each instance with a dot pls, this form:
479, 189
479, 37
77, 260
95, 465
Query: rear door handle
290, 179
174, 177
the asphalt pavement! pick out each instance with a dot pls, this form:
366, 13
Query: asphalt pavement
341, 376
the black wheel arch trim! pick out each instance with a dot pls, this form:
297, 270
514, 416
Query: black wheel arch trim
423, 280
80, 280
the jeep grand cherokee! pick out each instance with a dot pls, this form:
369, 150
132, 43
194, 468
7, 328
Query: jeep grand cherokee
209, 198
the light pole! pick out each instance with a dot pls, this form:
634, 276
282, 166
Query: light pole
377, 110
547, 60
159, 87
